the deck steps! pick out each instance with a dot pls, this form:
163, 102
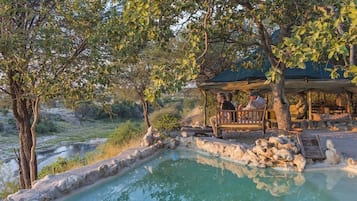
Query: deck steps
311, 146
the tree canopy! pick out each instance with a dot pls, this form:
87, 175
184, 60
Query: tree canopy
329, 37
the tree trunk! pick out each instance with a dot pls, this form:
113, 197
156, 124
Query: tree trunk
22, 108
145, 105
33, 162
280, 104
28, 163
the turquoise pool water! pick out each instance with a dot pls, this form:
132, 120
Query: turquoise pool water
188, 176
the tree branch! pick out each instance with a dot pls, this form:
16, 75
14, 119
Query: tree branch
5, 91
233, 41
207, 16
81, 47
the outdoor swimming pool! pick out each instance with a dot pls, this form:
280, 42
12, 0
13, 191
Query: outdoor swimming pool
188, 176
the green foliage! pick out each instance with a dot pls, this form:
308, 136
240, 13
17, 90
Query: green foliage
46, 126
12, 123
125, 132
122, 110
189, 104
121, 137
4, 111
127, 110
61, 165
168, 122
49, 49
9, 187
1, 127
7, 182
325, 38
166, 119
211, 104
87, 110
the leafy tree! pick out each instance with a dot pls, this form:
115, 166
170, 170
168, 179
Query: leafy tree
134, 79
148, 24
242, 27
47, 49
141, 49
330, 37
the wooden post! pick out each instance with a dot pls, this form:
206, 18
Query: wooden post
204, 107
349, 101
353, 105
309, 99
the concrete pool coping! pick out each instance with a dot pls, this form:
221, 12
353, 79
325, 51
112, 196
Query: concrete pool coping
56, 186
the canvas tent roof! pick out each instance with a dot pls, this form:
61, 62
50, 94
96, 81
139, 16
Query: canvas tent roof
313, 77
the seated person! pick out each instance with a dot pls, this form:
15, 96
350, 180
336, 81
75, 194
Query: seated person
230, 99
301, 106
224, 105
255, 102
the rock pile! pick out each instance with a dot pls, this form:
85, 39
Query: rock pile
280, 152
275, 152
151, 137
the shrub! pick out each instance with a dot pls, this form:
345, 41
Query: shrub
86, 111
62, 165
127, 110
46, 126
125, 136
125, 132
166, 119
123, 110
4, 111
12, 123
168, 122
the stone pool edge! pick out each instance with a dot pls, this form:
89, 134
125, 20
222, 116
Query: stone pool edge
57, 186
52, 187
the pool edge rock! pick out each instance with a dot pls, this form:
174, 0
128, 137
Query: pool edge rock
56, 186
275, 152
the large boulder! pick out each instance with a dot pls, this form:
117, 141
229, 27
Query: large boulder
148, 138
332, 156
299, 162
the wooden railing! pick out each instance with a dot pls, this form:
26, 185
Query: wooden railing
242, 119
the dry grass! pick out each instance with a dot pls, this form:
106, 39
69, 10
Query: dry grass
105, 151
108, 150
